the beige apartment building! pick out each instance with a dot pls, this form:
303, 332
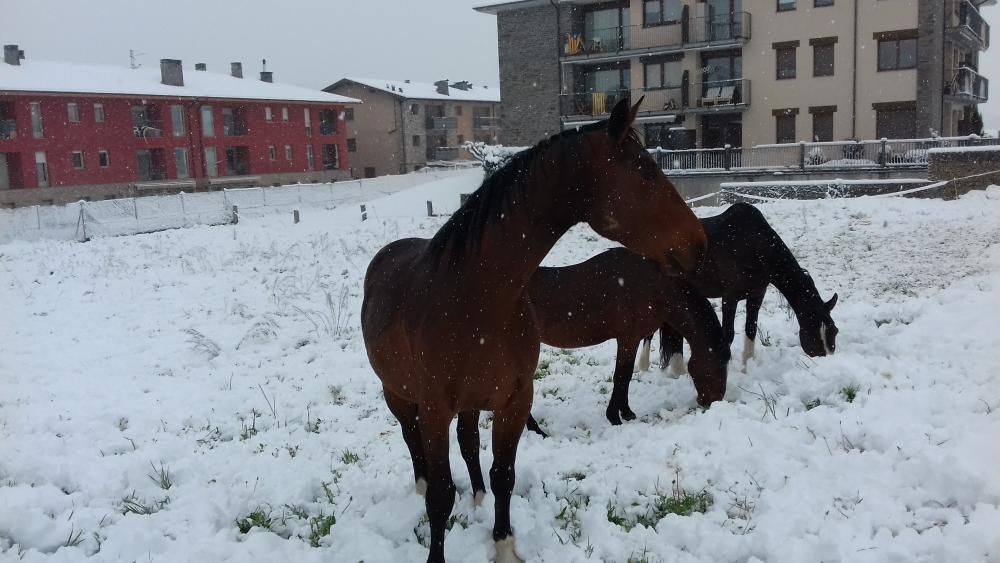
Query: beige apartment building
403, 125
742, 72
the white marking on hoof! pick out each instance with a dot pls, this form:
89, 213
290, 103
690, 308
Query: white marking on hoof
477, 500
644, 357
748, 349
505, 551
421, 486
677, 365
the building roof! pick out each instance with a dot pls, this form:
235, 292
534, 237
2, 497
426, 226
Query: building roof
497, 7
425, 90
77, 78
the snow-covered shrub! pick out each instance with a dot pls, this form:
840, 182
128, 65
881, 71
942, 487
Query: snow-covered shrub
492, 157
816, 156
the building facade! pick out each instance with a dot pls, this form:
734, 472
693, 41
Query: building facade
70, 132
402, 125
743, 72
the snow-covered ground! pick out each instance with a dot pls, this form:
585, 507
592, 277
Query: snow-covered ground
206, 374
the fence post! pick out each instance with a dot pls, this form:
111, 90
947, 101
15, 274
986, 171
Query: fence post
38, 217
364, 213
430, 208
802, 155
236, 214
881, 155
295, 216
83, 220
726, 162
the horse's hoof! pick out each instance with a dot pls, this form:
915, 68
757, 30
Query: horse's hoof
421, 486
477, 498
613, 418
505, 551
627, 414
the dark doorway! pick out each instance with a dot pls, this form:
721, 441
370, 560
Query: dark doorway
237, 161
720, 130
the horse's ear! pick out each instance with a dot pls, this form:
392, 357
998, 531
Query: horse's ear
635, 110
620, 121
831, 303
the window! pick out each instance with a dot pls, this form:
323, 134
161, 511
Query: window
284, 115
272, 153
458, 110
896, 120
786, 62
103, 158
73, 112
897, 53
99, 116
267, 115
288, 152
821, 3
823, 54
327, 122
370, 172
177, 121
352, 145
822, 123
37, 131
461, 140
310, 157
785, 124
664, 74
211, 162
416, 140
181, 156
786, 5
415, 109
658, 12
77, 158
233, 122
307, 116
331, 157
349, 114
207, 124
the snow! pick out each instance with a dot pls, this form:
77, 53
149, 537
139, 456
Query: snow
46, 76
230, 358
428, 91
835, 182
984, 148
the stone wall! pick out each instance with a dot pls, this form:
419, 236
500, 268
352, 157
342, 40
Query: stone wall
529, 74
962, 162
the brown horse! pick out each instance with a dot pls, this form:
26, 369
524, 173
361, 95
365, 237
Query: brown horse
447, 322
621, 295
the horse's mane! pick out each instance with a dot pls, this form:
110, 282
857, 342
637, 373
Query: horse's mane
494, 195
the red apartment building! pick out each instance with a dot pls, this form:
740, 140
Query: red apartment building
73, 131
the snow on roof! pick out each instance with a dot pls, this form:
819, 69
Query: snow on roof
77, 78
428, 91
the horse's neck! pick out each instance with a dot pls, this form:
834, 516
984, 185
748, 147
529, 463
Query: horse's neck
794, 283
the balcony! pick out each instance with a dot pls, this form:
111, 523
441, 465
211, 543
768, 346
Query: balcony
967, 86
440, 123
485, 122
8, 130
966, 25
443, 153
607, 43
699, 97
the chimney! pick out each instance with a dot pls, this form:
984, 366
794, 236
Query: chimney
442, 87
266, 76
12, 55
464, 85
171, 72
200, 66
407, 81
236, 69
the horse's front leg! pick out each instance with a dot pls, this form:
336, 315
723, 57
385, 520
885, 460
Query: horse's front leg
754, 302
508, 424
729, 318
440, 498
618, 408
468, 443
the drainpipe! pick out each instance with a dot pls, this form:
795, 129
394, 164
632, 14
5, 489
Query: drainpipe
854, 78
559, 67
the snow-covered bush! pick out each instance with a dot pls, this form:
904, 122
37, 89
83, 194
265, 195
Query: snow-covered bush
816, 156
492, 157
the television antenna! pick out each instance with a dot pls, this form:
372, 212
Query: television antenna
132, 56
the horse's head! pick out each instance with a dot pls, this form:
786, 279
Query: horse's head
817, 331
630, 200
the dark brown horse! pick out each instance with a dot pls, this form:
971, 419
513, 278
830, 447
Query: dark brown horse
744, 256
623, 296
447, 322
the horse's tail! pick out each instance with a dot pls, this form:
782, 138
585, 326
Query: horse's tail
664, 359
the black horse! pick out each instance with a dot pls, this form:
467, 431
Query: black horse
744, 256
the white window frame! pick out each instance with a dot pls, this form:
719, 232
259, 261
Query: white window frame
272, 153
211, 162
106, 156
268, 116
37, 120
183, 153
284, 115
182, 130
73, 112
288, 152
99, 115
207, 121
83, 161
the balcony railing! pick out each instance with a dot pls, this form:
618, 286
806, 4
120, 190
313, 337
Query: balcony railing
697, 97
8, 130
968, 84
147, 130
725, 28
441, 123
967, 20
485, 122
443, 153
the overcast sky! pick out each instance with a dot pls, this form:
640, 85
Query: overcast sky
311, 43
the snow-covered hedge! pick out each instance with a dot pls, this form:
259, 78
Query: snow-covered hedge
492, 157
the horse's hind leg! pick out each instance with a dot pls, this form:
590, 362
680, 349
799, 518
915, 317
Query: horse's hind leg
672, 350
508, 424
406, 414
754, 302
618, 408
468, 442
440, 498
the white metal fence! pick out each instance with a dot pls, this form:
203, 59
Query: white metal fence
85, 219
